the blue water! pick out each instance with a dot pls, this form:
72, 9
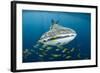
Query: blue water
35, 23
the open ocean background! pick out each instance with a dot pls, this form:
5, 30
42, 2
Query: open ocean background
35, 23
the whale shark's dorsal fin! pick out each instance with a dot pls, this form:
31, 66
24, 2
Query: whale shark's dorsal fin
54, 23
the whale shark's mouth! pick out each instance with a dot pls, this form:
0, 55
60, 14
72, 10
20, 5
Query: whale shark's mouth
60, 37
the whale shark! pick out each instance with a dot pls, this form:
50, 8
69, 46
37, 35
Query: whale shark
57, 35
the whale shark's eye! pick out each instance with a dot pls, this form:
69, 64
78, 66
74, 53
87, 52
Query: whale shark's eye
72, 35
44, 40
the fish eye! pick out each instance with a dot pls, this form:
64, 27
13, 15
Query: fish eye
44, 40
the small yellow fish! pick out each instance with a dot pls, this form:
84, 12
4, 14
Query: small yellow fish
41, 55
56, 55
57, 49
35, 46
48, 48
41, 49
79, 55
33, 51
25, 51
42, 52
65, 49
73, 49
68, 57
44, 46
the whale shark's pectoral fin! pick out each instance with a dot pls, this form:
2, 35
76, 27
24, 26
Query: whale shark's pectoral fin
36, 46
60, 47
59, 43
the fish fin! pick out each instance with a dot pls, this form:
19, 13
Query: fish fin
53, 22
